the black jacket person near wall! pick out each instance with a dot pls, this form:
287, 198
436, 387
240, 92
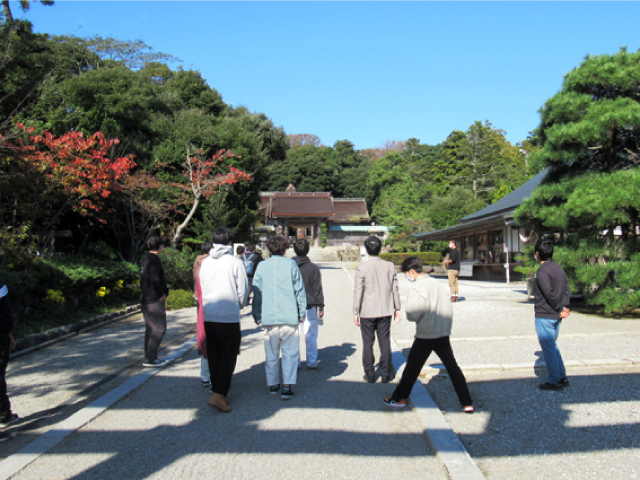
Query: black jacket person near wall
7, 343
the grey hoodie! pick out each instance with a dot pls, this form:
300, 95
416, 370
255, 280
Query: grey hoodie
224, 284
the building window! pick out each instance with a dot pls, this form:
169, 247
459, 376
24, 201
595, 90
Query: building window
482, 248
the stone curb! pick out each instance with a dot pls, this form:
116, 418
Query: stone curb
35, 341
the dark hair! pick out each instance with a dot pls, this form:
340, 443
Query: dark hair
454, 242
544, 247
222, 236
373, 245
248, 246
411, 263
240, 250
206, 247
278, 245
301, 247
154, 242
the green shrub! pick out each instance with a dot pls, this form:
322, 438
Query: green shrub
178, 299
427, 258
178, 267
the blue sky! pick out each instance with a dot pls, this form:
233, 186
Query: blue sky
368, 72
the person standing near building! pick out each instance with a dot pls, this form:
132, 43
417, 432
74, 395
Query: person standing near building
453, 269
430, 308
315, 300
7, 343
224, 292
551, 307
153, 294
279, 305
205, 376
375, 301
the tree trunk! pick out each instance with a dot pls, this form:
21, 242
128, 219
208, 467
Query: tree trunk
186, 221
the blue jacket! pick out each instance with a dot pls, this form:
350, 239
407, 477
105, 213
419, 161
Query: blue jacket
279, 297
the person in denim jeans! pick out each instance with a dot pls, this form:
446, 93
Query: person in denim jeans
551, 307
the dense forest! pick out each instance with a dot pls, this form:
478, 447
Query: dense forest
104, 141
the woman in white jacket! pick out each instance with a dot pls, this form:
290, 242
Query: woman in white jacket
225, 290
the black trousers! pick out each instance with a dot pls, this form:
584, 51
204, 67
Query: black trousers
369, 327
223, 348
420, 351
5, 404
155, 320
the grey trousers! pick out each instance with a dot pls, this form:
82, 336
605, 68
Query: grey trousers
369, 327
155, 320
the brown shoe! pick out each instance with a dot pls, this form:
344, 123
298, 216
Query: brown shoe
453, 299
219, 401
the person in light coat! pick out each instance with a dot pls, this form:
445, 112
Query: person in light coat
279, 305
429, 306
224, 288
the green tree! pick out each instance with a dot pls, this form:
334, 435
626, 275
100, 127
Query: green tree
591, 196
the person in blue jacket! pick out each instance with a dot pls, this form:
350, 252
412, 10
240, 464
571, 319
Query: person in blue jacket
279, 305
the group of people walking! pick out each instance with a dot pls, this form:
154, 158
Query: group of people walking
288, 303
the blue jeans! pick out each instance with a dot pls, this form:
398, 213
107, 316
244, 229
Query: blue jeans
547, 330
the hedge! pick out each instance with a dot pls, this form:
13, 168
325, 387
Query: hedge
427, 258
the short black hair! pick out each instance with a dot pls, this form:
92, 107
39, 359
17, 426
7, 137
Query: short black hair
544, 247
411, 263
222, 236
206, 247
301, 247
240, 250
154, 242
278, 245
373, 245
248, 246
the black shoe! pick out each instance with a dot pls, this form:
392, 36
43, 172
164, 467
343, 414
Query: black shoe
8, 419
286, 393
4, 436
564, 382
556, 387
369, 378
385, 379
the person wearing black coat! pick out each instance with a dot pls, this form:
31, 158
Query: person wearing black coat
153, 294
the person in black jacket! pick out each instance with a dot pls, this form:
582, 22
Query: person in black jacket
552, 300
7, 343
153, 294
315, 300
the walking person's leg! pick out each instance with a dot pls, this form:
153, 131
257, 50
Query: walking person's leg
455, 274
213, 353
272, 355
289, 348
367, 330
442, 347
547, 330
418, 355
311, 336
229, 348
383, 331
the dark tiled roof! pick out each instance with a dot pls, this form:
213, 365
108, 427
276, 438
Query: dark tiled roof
302, 204
350, 210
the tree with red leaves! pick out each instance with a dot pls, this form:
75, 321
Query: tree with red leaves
206, 178
65, 173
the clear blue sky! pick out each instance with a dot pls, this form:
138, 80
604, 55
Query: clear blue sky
368, 72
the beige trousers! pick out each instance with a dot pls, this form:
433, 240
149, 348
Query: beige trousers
453, 281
